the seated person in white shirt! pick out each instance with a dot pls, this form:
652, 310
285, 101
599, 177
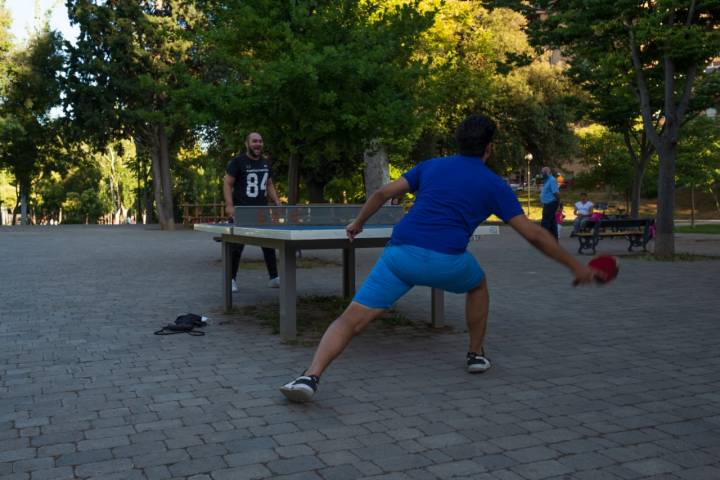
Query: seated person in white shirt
583, 210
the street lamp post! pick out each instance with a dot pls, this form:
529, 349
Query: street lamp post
529, 158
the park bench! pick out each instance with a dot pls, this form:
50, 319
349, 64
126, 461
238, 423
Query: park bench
638, 232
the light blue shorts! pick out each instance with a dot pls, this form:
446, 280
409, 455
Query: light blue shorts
401, 267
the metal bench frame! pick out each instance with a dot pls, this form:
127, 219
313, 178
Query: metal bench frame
636, 231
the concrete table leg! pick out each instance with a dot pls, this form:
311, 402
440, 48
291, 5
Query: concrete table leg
437, 307
288, 292
227, 275
348, 272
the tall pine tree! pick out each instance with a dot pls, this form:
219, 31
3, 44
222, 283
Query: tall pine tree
127, 76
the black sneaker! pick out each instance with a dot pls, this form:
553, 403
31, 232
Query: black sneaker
301, 389
477, 363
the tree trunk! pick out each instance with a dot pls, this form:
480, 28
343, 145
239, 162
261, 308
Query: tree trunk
293, 179
315, 191
665, 222
24, 195
157, 184
635, 190
162, 185
640, 161
167, 223
140, 193
716, 197
376, 168
666, 141
692, 205
13, 213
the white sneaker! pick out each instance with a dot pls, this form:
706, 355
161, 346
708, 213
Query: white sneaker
274, 282
478, 363
301, 389
234, 286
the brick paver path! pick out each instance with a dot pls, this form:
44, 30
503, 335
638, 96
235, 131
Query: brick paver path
620, 382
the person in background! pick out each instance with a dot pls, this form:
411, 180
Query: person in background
583, 210
248, 181
559, 218
550, 199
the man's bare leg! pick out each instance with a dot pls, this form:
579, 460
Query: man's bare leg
334, 340
338, 335
477, 302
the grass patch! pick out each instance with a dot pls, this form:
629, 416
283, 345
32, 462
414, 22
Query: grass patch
303, 262
713, 229
314, 314
678, 257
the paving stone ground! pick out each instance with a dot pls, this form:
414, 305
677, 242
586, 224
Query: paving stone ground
618, 382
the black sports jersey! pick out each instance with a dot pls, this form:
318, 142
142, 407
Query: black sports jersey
251, 178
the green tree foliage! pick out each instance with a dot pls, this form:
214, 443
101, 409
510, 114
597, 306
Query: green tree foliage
28, 132
198, 178
668, 42
127, 78
460, 53
319, 80
85, 207
482, 61
603, 150
698, 165
5, 47
535, 106
82, 169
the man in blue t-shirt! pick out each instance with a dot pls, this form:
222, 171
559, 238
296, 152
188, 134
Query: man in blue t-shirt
550, 199
428, 247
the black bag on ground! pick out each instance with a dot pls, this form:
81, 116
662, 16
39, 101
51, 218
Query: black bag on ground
184, 324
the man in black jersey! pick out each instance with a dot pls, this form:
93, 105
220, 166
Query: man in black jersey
248, 182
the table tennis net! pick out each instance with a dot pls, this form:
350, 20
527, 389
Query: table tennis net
325, 214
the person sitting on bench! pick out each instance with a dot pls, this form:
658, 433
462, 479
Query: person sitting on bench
583, 211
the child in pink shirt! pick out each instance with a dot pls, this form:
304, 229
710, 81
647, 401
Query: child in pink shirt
559, 217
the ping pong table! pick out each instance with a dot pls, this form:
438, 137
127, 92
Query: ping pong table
289, 229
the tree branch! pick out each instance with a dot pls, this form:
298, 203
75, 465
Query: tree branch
631, 150
687, 91
632, 132
669, 86
691, 13
642, 89
646, 149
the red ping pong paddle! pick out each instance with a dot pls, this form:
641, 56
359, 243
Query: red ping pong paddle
607, 264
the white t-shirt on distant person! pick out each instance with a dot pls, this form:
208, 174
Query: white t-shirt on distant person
583, 208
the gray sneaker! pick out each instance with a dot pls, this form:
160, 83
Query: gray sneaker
274, 282
233, 286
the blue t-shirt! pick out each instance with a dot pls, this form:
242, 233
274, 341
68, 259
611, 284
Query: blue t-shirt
454, 195
550, 188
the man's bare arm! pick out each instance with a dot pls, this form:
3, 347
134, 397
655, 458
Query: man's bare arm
377, 199
539, 238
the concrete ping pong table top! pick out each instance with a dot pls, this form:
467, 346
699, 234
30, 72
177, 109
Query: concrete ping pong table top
279, 228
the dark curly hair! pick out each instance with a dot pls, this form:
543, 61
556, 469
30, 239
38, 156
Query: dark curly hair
474, 134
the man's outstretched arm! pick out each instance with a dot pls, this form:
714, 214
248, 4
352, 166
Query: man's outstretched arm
377, 199
539, 238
